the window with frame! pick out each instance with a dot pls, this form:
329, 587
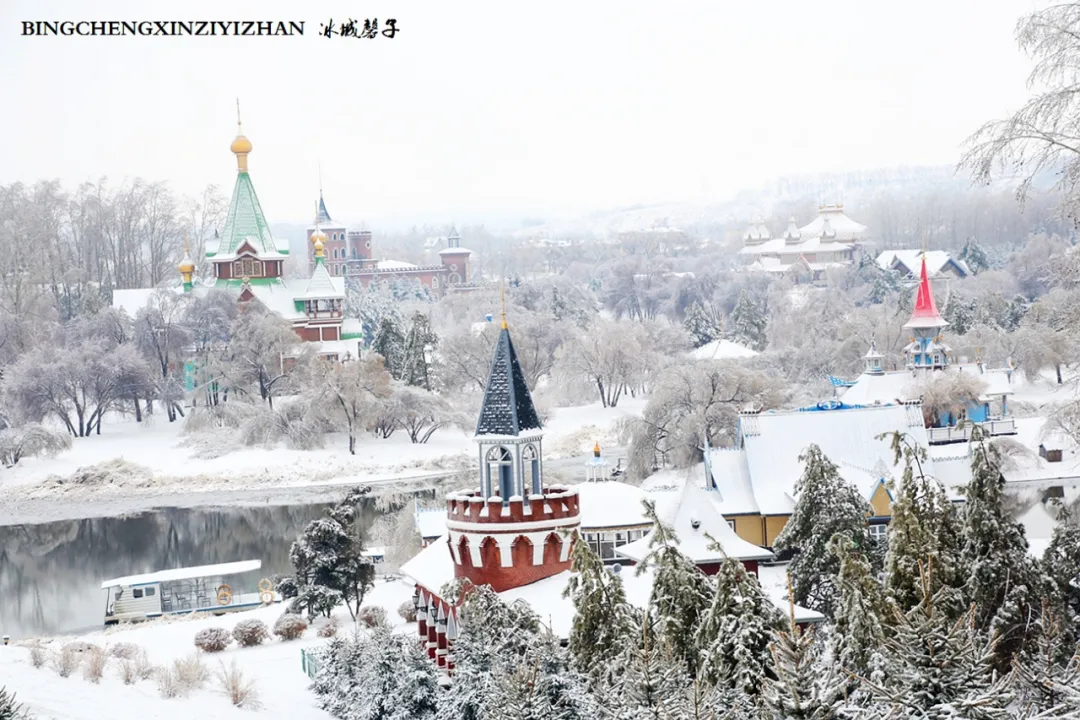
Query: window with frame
247, 267
149, 592
137, 593
501, 471
731, 524
879, 532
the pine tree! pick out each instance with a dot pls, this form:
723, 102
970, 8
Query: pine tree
860, 606
938, 667
652, 682
541, 687
747, 323
420, 341
825, 505
390, 344
1048, 672
9, 709
1000, 575
603, 620
1061, 565
975, 257
680, 591
804, 685
923, 527
701, 326
733, 636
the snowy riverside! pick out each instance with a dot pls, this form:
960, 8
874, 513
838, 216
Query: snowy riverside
725, 370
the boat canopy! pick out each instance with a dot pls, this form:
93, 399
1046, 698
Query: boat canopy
233, 568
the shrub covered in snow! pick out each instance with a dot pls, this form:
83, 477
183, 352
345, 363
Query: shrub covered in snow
329, 628
124, 650
372, 615
212, 639
38, 655
29, 441
290, 627
240, 688
407, 611
66, 661
250, 632
94, 667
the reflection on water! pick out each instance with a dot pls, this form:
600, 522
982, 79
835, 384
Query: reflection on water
51, 574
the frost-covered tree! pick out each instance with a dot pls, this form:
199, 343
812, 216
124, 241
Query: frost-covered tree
604, 358
747, 323
804, 684
390, 345
924, 529
1048, 674
974, 256
541, 687
31, 440
419, 343
329, 563
162, 335
259, 344
703, 326
680, 591
1061, 565
945, 396
733, 635
1000, 576
938, 666
693, 400
370, 305
651, 683
349, 393
420, 412
376, 675
859, 609
825, 505
603, 620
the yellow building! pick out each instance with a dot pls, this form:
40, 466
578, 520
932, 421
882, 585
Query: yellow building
755, 481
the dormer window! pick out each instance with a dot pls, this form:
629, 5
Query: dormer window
247, 267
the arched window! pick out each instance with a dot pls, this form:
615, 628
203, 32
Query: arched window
500, 464
454, 279
531, 460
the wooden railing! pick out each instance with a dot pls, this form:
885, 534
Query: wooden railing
1004, 426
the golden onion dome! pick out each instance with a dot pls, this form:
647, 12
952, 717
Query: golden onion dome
186, 266
240, 145
318, 236
318, 247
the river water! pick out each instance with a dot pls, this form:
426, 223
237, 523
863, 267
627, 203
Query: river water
51, 573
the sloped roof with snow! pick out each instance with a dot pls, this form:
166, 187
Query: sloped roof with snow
909, 261
696, 516
610, 504
774, 441
185, 573
721, 349
246, 223
899, 385
431, 523
845, 228
320, 284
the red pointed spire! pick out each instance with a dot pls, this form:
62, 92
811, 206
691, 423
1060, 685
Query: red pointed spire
925, 313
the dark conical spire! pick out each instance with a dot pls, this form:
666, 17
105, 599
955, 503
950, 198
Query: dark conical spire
508, 407
324, 217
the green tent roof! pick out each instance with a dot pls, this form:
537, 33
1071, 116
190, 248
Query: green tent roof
246, 222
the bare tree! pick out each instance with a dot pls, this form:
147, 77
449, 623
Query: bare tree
349, 392
263, 351
1042, 137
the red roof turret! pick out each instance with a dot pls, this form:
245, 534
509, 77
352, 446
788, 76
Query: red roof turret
925, 314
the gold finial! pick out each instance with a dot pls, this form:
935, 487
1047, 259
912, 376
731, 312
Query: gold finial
239, 131
318, 237
502, 300
596, 449
241, 146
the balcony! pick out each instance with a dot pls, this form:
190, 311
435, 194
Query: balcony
962, 433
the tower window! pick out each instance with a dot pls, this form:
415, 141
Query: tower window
531, 460
247, 267
500, 466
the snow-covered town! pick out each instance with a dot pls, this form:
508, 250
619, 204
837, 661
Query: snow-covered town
529, 384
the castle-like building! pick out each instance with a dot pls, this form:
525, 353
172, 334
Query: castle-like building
829, 241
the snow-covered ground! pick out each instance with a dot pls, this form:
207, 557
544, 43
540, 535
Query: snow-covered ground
133, 466
275, 667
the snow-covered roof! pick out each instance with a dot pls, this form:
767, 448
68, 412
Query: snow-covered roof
610, 504
773, 442
721, 349
233, 568
808, 244
899, 385
277, 298
1030, 468
455, 251
696, 515
909, 261
431, 523
832, 216
352, 326
395, 265
320, 285
433, 567
507, 409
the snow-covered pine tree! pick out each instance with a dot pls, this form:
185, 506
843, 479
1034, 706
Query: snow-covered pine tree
376, 675
680, 591
390, 343
1061, 565
1048, 672
938, 667
702, 327
603, 620
860, 606
1001, 577
747, 323
974, 256
370, 305
732, 638
923, 526
419, 342
652, 682
804, 684
542, 687
825, 505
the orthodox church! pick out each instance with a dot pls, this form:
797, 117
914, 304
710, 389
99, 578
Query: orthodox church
514, 532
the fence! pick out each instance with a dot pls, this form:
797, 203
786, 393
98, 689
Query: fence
309, 662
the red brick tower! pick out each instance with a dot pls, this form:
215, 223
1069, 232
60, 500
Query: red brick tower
512, 530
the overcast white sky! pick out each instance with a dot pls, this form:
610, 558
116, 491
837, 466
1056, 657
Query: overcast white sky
496, 107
